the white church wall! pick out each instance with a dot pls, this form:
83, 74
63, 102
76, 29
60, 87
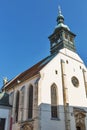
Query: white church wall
49, 77
76, 96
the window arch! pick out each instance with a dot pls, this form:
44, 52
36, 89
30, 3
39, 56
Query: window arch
54, 109
17, 105
30, 102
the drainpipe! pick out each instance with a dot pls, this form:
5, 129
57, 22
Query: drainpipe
85, 80
65, 96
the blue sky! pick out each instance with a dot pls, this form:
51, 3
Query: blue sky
25, 26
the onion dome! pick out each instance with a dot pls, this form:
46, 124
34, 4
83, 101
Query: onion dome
60, 20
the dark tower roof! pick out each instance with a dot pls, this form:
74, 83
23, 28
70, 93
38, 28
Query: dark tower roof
60, 20
4, 99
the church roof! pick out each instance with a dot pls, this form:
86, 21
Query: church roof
4, 99
34, 70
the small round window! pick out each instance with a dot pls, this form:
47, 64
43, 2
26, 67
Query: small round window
75, 81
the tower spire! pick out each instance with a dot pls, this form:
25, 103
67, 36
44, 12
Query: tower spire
59, 10
60, 18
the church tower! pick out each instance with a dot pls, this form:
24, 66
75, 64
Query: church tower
62, 37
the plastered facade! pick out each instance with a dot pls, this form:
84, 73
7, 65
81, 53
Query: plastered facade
5, 113
75, 96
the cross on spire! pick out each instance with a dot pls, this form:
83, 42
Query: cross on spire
59, 10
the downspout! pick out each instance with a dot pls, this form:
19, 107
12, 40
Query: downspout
65, 97
85, 80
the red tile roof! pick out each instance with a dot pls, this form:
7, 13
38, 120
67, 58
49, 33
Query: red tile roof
34, 70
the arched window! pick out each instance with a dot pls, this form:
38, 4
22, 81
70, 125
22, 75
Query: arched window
11, 98
22, 101
30, 103
54, 111
17, 105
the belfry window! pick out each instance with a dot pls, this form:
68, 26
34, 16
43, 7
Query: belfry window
66, 36
71, 38
54, 109
30, 102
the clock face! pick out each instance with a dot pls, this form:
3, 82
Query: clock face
75, 81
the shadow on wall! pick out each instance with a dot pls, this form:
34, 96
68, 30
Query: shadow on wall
56, 117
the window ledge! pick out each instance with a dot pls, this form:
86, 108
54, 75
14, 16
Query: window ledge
28, 120
57, 119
